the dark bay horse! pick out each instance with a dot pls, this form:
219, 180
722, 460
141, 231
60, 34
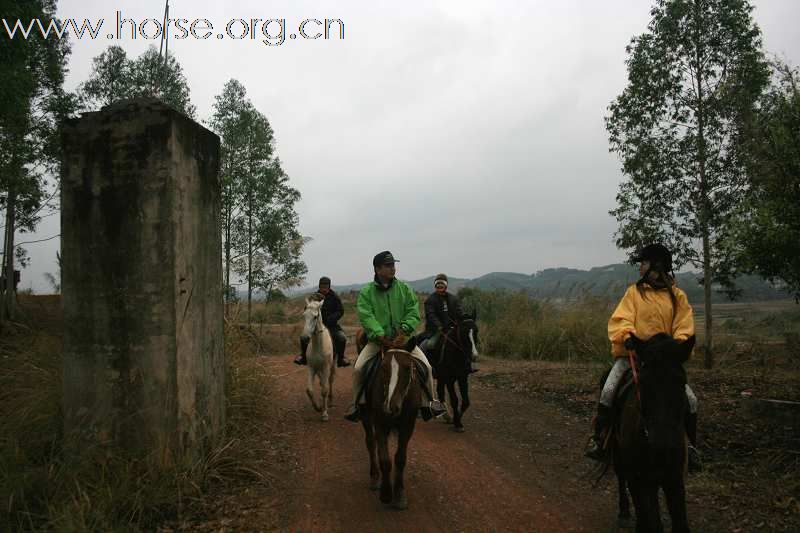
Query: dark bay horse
393, 397
649, 447
451, 365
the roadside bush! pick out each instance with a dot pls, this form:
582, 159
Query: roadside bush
516, 325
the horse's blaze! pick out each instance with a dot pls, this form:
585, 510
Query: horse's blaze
391, 405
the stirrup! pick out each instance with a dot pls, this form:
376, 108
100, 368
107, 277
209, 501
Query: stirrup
594, 449
354, 414
437, 408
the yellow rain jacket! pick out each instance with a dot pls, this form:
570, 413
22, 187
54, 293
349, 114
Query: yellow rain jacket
649, 315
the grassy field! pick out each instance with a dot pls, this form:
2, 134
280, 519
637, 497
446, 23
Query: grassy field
555, 354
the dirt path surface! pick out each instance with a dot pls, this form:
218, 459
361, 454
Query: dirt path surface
518, 467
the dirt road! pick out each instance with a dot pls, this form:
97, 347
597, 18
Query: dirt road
518, 467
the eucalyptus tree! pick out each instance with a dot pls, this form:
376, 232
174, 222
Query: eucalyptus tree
767, 236
116, 77
694, 77
32, 105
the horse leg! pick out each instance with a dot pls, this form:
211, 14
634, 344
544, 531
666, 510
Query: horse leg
310, 390
400, 501
675, 494
640, 505
386, 465
624, 520
440, 394
331, 379
649, 521
463, 387
451, 390
369, 438
324, 387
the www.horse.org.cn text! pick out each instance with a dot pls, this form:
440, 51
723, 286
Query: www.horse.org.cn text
269, 31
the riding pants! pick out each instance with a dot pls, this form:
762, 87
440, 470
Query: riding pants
430, 343
371, 350
621, 364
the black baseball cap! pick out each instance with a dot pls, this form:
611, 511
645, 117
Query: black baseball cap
384, 258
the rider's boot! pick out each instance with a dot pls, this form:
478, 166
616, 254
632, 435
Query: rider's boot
354, 413
301, 359
695, 463
339, 346
594, 449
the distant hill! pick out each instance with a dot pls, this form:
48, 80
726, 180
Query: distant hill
570, 283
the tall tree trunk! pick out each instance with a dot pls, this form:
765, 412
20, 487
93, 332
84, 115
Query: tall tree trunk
705, 208
249, 263
7, 304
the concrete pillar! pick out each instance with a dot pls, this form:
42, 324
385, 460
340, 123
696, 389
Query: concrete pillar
142, 281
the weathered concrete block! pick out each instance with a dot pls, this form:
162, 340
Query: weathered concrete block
142, 280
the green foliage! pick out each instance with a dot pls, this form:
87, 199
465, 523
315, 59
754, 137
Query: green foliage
512, 324
767, 236
32, 105
115, 77
259, 223
693, 79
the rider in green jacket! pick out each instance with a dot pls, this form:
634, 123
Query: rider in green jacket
389, 313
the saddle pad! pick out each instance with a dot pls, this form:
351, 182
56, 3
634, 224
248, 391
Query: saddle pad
371, 368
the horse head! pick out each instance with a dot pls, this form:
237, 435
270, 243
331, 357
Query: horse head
468, 333
662, 384
396, 377
312, 316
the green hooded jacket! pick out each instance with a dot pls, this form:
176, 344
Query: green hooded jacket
382, 312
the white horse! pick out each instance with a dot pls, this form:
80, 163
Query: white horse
320, 356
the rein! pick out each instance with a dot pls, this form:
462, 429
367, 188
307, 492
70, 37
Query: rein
632, 362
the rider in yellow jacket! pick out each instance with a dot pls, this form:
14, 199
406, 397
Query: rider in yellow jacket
651, 306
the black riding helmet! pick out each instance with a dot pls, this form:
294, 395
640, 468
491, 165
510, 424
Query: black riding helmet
657, 254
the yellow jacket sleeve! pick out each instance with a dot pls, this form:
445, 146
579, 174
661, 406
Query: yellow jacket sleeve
683, 323
621, 323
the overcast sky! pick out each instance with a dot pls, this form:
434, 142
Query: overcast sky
465, 137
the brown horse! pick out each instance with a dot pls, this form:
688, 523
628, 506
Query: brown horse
649, 449
393, 397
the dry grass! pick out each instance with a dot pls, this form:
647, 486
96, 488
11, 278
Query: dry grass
752, 476
41, 489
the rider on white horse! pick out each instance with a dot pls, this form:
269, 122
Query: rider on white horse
389, 313
332, 311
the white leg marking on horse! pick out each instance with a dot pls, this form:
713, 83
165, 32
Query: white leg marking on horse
472, 342
392, 383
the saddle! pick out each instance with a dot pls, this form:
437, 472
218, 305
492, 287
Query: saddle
371, 369
624, 387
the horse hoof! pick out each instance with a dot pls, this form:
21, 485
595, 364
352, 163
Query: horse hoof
374, 484
459, 429
325, 417
625, 522
401, 503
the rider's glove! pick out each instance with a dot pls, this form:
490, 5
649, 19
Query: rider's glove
630, 343
399, 341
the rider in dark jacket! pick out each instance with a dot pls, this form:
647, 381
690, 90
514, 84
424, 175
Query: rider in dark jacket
442, 310
332, 311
